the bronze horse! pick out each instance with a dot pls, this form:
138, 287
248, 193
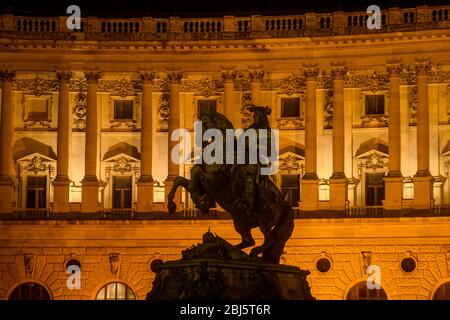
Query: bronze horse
224, 184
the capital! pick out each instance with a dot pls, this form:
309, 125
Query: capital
92, 76
175, 77
228, 75
394, 69
422, 68
256, 75
7, 75
147, 76
311, 73
339, 72
64, 76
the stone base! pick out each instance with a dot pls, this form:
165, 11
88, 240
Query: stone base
216, 270
6, 196
89, 196
144, 195
61, 192
177, 199
423, 192
338, 194
310, 195
393, 193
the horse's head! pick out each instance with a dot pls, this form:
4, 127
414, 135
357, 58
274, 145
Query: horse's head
214, 120
260, 116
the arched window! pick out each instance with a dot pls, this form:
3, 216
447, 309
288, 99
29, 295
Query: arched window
30, 291
116, 291
442, 292
360, 291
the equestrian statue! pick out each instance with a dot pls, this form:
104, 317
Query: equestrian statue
252, 199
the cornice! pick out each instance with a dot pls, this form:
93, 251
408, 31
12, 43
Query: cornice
255, 45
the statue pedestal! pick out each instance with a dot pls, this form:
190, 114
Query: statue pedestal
216, 270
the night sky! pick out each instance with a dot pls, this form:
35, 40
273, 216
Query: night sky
197, 8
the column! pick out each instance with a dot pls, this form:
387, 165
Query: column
61, 184
89, 185
423, 181
174, 123
145, 182
393, 182
228, 91
6, 134
310, 181
338, 180
255, 77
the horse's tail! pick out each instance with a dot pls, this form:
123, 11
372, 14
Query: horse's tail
280, 234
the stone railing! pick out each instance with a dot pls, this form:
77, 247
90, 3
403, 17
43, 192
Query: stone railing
442, 210
120, 214
228, 27
365, 212
32, 214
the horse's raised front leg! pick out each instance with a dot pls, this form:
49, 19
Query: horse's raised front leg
178, 182
245, 231
266, 231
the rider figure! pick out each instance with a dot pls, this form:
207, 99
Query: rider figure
251, 172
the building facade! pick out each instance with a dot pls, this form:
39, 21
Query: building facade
364, 145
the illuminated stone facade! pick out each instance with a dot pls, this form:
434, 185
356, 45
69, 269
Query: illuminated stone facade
363, 116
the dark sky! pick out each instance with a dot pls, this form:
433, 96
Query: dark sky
165, 8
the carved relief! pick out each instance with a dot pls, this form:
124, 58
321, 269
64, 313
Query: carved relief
37, 164
285, 123
36, 86
374, 121
79, 85
366, 260
293, 84
413, 107
114, 263
163, 111
205, 87
328, 110
375, 82
29, 261
122, 125
121, 88
79, 111
122, 165
290, 162
376, 161
246, 114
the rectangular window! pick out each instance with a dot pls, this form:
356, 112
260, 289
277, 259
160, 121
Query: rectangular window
290, 188
123, 109
38, 109
122, 191
290, 107
206, 105
374, 104
374, 189
36, 192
